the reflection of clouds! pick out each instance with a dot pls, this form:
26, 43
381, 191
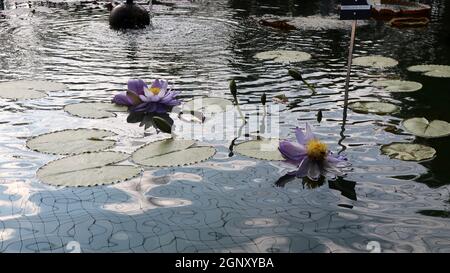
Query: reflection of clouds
15, 200
262, 222
137, 189
7, 233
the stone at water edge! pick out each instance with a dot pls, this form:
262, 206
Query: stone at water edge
129, 16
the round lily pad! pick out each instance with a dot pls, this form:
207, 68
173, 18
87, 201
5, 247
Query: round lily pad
380, 108
172, 152
433, 70
94, 110
265, 149
375, 61
72, 141
398, 85
423, 128
284, 56
207, 105
408, 151
88, 169
28, 89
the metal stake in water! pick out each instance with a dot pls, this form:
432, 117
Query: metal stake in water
347, 85
349, 68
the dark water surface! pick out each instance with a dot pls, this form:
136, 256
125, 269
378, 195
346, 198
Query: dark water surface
227, 203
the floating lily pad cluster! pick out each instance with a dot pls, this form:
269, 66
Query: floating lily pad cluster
88, 164
433, 70
88, 159
418, 126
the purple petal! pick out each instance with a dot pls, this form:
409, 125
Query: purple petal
157, 84
292, 151
140, 108
300, 136
338, 161
314, 171
308, 133
136, 86
170, 99
144, 98
164, 85
122, 99
160, 108
303, 168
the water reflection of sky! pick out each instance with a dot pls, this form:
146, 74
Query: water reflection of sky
227, 203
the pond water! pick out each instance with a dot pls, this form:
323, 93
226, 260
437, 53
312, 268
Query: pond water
225, 204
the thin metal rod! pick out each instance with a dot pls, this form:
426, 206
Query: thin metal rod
347, 85
349, 64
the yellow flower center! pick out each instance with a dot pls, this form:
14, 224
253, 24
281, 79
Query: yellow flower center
316, 150
155, 90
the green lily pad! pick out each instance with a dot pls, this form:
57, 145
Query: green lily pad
208, 106
88, 169
265, 149
380, 108
399, 85
408, 151
94, 110
172, 152
433, 70
375, 61
72, 141
423, 128
284, 56
28, 89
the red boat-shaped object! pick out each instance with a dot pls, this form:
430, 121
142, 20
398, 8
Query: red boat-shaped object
388, 9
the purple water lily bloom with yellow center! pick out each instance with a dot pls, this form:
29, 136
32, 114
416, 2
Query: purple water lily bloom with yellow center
156, 99
131, 97
311, 156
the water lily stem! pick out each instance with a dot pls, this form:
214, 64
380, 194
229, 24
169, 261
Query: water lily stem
241, 114
310, 86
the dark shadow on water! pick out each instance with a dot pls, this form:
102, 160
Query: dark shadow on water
346, 187
435, 213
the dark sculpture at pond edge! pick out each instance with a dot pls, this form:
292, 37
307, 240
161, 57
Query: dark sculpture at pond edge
129, 16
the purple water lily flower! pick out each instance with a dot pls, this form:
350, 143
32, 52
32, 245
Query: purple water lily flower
157, 99
131, 97
311, 156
